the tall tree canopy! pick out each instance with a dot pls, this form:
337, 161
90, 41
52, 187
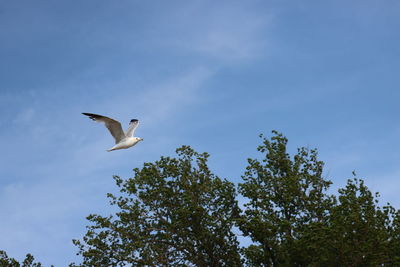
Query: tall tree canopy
176, 212
173, 212
6, 261
284, 195
293, 221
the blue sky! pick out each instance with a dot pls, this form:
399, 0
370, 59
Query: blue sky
210, 74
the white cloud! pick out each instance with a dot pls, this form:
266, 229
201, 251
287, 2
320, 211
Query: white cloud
61, 161
24, 116
169, 96
66, 169
232, 39
226, 32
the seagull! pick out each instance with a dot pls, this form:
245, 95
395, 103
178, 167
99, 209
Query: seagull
122, 140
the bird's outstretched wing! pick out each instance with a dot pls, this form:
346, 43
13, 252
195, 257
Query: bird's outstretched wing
112, 125
132, 127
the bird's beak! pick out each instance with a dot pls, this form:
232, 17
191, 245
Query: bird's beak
141, 139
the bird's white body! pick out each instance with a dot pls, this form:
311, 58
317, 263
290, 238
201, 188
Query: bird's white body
123, 139
126, 143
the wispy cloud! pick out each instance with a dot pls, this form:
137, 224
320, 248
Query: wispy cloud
62, 163
56, 169
224, 33
232, 37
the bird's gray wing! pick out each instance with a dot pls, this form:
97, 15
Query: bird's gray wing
112, 125
132, 127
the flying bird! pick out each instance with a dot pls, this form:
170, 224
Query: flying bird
123, 139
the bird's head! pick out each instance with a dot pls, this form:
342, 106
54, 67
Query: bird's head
139, 139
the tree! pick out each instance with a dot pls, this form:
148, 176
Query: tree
359, 232
284, 196
293, 221
174, 212
11, 262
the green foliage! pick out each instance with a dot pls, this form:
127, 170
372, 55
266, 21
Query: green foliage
284, 196
359, 233
293, 221
6, 261
173, 212
176, 212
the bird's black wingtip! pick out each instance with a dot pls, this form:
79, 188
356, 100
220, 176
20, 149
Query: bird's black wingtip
91, 115
134, 120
